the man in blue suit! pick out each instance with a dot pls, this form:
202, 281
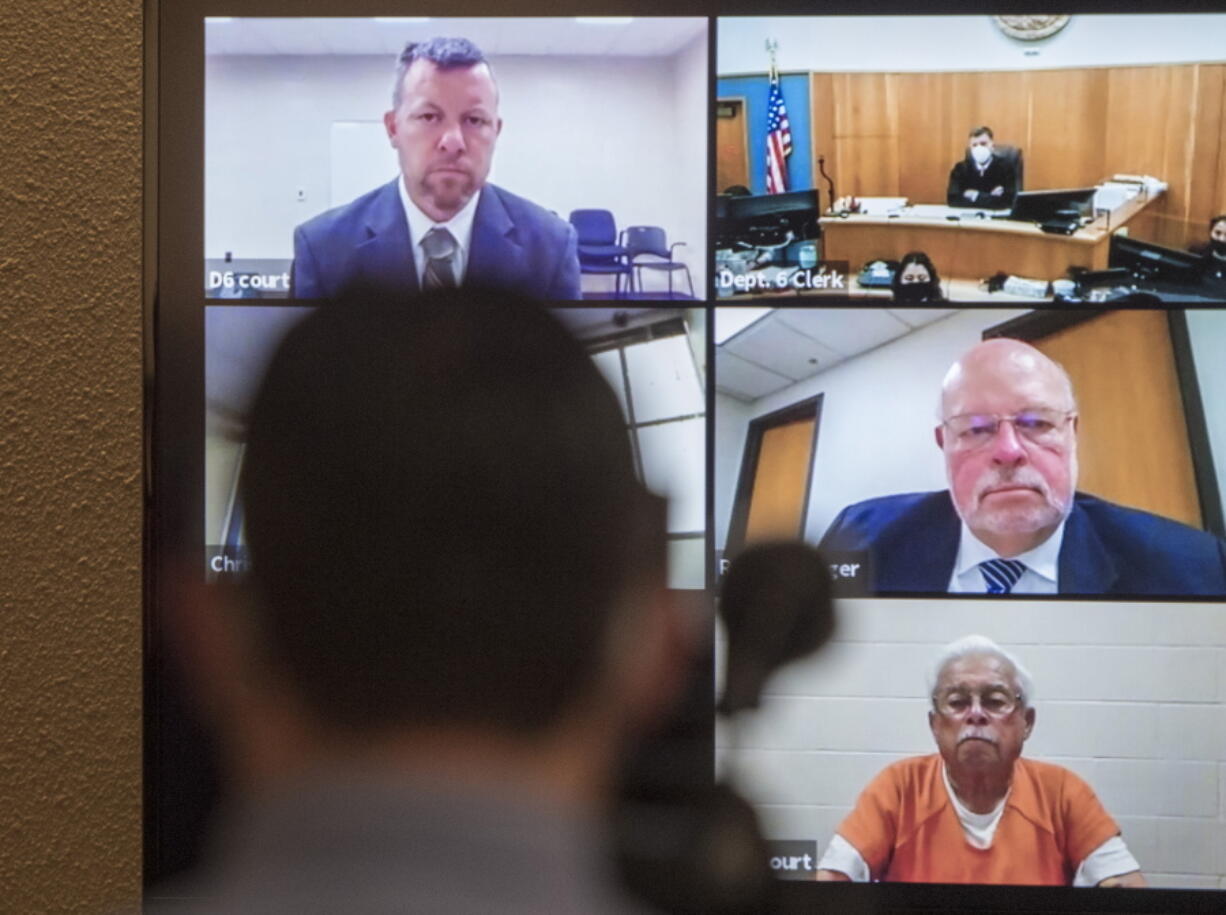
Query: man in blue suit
439, 224
1012, 520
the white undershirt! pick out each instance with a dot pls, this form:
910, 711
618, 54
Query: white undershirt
979, 828
1110, 859
1042, 564
460, 226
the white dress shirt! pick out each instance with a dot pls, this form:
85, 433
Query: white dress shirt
1042, 565
460, 226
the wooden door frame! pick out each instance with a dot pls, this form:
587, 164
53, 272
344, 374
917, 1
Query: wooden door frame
743, 101
809, 408
1043, 323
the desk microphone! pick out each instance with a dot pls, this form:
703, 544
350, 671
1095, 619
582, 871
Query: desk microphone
821, 167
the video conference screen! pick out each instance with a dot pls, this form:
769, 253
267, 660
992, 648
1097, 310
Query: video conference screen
944, 296
311, 157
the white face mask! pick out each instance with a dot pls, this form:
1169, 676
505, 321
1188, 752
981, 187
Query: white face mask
981, 154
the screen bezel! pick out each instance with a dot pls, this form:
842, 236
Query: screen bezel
174, 318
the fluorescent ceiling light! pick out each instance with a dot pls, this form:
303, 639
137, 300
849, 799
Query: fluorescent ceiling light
605, 20
402, 20
217, 20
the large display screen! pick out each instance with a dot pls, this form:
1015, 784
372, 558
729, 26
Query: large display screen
944, 296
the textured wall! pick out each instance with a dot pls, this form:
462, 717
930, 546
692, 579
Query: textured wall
70, 455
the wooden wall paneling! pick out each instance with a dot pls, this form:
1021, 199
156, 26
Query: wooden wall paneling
923, 125
1135, 113
1069, 122
1179, 87
1132, 437
821, 117
1150, 114
1207, 193
866, 133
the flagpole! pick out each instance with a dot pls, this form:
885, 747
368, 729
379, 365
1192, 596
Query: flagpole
779, 131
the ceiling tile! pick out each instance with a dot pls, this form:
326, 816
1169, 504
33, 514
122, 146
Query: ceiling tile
744, 380
846, 331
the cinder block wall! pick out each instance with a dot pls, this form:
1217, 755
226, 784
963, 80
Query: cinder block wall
1129, 695
70, 455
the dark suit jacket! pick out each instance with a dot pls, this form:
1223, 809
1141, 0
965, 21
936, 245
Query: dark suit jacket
965, 176
912, 543
516, 245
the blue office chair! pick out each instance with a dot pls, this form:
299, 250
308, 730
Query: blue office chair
599, 252
651, 243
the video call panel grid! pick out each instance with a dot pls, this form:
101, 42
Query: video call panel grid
1098, 205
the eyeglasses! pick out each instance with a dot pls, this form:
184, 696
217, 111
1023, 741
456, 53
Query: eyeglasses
998, 703
975, 430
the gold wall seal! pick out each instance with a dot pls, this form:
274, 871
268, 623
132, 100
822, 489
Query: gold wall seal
1031, 28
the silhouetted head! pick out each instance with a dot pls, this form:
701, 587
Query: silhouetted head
442, 513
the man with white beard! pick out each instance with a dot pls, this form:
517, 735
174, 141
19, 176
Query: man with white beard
1012, 521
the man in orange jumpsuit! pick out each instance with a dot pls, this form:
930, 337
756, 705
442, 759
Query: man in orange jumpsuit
976, 812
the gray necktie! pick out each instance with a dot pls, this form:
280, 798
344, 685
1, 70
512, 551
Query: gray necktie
439, 246
1000, 575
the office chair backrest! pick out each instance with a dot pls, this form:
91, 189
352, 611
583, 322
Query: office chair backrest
1012, 155
594, 227
646, 240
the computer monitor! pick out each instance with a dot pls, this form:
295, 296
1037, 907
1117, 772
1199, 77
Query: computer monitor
1154, 262
1042, 206
766, 218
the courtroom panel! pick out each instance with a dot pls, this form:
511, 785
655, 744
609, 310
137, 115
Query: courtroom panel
1014, 162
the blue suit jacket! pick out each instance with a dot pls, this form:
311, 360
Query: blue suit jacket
516, 245
912, 543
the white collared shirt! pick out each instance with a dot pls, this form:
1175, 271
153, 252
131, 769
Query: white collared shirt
1042, 565
460, 226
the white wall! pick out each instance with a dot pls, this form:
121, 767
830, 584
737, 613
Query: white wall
1129, 695
691, 108
731, 426
897, 44
875, 432
1207, 330
627, 134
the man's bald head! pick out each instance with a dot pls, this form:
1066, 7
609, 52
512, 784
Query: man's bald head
1008, 431
1002, 358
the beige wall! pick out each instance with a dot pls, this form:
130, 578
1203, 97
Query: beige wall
70, 455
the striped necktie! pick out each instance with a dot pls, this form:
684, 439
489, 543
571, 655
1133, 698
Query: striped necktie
1000, 575
439, 246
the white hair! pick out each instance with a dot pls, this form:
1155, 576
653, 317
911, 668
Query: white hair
973, 645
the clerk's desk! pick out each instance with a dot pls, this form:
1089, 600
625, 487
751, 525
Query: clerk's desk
969, 243
957, 290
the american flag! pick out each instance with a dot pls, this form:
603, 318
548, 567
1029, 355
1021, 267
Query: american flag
778, 140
